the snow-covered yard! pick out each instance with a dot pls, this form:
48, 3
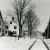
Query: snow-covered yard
11, 43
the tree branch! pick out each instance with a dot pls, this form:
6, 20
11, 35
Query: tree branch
23, 22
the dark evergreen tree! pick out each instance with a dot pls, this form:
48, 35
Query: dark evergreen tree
47, 31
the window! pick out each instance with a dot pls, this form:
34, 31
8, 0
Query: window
5, 32
12, 18
6, 27
0, 29
14, 32
0, 22
0, 17
0, 13
15, 27
10, 22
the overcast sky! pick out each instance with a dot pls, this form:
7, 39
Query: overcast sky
42, 11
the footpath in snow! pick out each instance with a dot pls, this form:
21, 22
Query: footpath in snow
39, 45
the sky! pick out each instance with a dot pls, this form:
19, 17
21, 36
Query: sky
42, 11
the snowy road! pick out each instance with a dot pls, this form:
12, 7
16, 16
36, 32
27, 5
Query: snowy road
7, 43
39, 45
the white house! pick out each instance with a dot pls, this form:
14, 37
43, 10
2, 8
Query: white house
13, 26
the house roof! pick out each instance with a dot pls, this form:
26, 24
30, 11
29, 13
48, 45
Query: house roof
1, 16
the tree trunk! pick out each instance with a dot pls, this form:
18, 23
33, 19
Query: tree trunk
28, 29
30, 32
20, 30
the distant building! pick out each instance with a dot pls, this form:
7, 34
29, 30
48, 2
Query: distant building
6, 28
14, 27
1, 25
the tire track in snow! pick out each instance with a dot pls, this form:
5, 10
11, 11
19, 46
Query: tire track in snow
38, 45
32, 45
45, 45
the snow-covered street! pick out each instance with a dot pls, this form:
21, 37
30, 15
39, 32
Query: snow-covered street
11, 43
47, 41
39, 45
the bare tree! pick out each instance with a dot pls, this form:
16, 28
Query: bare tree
33, 22
20, 10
